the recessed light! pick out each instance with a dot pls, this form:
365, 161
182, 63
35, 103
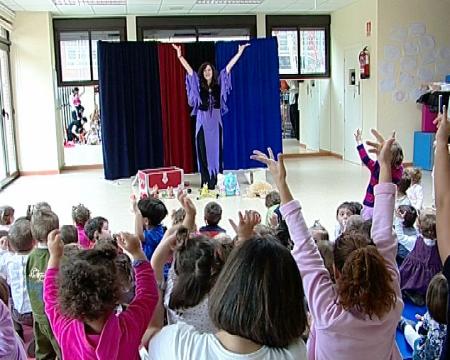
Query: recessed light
229, 2
89, 2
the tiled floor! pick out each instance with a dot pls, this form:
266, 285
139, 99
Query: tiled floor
320, 183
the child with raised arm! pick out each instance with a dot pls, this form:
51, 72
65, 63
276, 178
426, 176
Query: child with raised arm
374, 168
81, 297
442, 193
357, 317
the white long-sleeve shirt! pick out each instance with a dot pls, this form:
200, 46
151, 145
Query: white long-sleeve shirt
415, 195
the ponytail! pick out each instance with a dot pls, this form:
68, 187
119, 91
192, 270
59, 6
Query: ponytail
365, 283
194, 263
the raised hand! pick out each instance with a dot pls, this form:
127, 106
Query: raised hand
382, 147
178, 49
247, 222
242, 47
55, 244
186, 202
130, 244
133, 204
276, 168
443, 124
358, 136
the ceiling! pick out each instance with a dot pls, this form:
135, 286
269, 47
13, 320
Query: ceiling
178, 7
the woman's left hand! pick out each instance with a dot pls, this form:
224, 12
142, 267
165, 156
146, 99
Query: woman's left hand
243, 47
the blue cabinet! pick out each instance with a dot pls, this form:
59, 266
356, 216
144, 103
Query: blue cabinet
423, 150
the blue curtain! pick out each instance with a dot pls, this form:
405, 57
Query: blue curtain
130, 106
254, 118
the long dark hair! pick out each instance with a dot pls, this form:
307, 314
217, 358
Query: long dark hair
259, 294
195, 265
203, 82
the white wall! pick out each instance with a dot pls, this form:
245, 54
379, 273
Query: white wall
405, 117
33, 86
347, 31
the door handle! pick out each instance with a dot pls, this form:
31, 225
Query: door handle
358, 85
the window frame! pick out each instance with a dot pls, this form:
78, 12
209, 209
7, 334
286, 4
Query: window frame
195, 23
89, 25
301, 23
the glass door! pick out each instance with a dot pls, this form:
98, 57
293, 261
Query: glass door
8, 158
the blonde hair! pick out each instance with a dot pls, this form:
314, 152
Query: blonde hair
416, 175
427, 223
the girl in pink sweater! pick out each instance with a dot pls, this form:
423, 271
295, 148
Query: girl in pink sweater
82, 310
357, 317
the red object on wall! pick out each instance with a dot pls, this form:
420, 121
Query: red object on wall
364, 63
176, 121
427, 119
162, 177
368, 28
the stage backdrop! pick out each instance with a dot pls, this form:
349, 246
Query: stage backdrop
254, 118
145, 116
130, 106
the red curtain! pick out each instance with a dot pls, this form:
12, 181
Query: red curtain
176, 122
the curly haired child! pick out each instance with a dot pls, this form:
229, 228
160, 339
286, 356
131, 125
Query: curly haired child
80, 300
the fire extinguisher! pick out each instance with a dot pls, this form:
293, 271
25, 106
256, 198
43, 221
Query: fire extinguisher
364, 63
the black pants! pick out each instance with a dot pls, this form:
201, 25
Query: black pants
295, 118
206, 178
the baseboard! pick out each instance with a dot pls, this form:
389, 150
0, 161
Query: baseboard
408, 164
82, 167
319, 153
39, 172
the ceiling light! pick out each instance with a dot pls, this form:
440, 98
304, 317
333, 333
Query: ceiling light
229, 2
89, 2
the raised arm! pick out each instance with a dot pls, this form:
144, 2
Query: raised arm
138, 219
236, 57
140, 311
183, 61
319, 289
442, 184
383, 213
362, 151
52, 309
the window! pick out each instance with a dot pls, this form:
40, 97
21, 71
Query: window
196, 28
76, 47
303, 45
287, 50
312, 50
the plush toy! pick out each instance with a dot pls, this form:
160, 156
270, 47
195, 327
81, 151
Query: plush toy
231, 185
260, 189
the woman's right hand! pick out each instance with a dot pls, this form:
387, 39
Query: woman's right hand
178, 49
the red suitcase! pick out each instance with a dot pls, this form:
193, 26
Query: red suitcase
162, 177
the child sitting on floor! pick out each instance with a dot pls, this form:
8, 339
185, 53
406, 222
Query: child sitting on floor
80, 216
88, 329
213, 215
402, 187
404, 228
423, 262
427, 337
415, 192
